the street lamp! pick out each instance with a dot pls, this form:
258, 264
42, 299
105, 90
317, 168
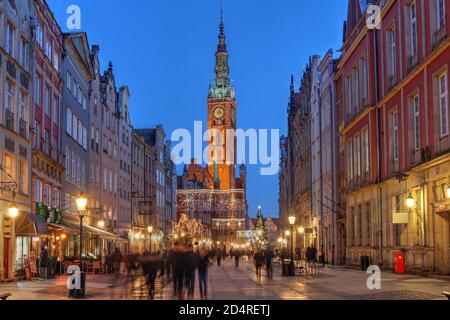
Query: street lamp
101, 224
81, 206
410, 202
150, 231
13, 211
292, 223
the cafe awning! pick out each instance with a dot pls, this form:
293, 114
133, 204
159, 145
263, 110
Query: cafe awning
30, 225
91, 230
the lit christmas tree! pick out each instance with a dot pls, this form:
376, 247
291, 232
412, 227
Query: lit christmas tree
260, 235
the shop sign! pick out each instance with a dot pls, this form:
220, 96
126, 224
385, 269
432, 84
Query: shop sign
400, 217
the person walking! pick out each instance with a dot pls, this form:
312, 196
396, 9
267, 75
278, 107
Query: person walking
178, 265
191, 263
43, 262
237, 256
259, 261
269, 267
150, 266
219, 257
203, 263
117, 260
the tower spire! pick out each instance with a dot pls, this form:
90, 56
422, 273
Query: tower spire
222, 87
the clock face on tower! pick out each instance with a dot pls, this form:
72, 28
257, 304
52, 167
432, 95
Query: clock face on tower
218, 113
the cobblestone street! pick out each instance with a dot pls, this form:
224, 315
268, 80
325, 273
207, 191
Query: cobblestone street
230, 283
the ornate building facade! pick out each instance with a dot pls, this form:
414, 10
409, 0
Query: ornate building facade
396, 155
223, 195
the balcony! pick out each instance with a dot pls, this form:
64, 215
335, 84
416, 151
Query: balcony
9, 119
23, 128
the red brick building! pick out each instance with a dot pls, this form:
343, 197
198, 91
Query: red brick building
47, 168
392, 97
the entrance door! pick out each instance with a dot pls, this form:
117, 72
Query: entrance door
6, 244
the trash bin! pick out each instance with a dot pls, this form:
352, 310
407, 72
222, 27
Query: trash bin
399, 262
365, 263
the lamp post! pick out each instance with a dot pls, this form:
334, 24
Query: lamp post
292, 223
81, 206
150, 231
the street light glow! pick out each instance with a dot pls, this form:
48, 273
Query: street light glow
13, 211
81, 203
410, 202
301, 230
291, 220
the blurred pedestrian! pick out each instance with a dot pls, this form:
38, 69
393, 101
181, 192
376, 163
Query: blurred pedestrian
150, 266
237, 256
219, 257
259, 261
178, 265
202, 266
43, 262
269, 267
117, 260
191, 262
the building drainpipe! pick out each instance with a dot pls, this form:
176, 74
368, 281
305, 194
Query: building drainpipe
379, 160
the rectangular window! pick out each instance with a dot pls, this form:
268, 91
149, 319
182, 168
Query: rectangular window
365, 146
23, 51
363, 77
47, 101
38, 88
80, 133
37, 142
47, 195
23, 105
69, 121
392, 53
348, 99
56, 198
349, 161
9, 41
75, 127
38, 191
440, 14
78, 170
9, 96
68, 164
355, 88
416, 128
85, 146
357, 155
395, 138
74, 167
49, 49
56, 110
10, 166
443, 103
413, 28
39, 34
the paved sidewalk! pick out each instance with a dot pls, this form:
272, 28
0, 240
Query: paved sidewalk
230, 283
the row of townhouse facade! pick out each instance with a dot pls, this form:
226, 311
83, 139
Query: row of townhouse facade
387, 95
65, 131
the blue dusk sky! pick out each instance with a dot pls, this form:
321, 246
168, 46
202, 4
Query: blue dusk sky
164, 51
